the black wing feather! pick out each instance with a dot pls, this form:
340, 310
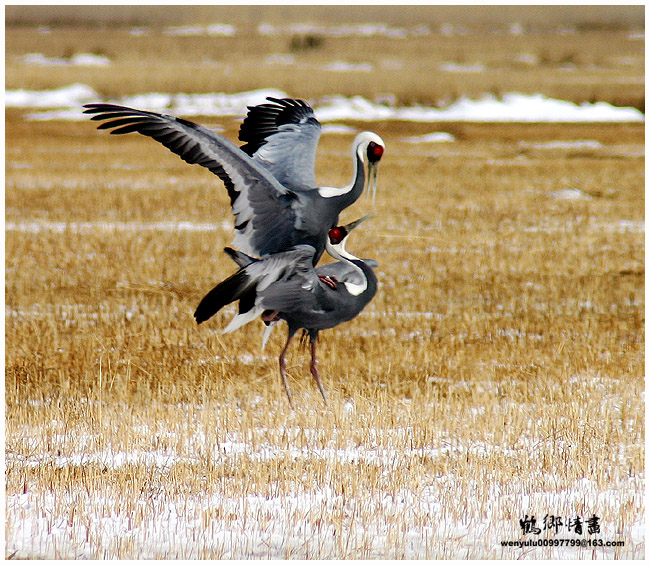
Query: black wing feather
265, 120
233, 288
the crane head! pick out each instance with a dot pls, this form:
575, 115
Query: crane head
374, 150
338, 235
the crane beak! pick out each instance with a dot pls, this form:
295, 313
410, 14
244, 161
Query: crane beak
354, 224
372, 178
338, 250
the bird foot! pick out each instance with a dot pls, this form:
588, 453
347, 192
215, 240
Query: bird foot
329, 281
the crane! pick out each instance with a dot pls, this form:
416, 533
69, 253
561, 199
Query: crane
270, 180
287, 286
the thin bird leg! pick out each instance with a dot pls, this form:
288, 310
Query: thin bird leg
314, 370
283, 370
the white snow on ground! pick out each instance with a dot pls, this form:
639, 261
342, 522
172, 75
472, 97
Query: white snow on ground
462, 68
80, 59
64, 97
65, 103
435, 137
344, 67
511, 108
280, 59
338, 128
41, 225
571, 194
225, 30
527, 59
37, 226
552, 226
352, 30
579, 144
516, 107
411, 523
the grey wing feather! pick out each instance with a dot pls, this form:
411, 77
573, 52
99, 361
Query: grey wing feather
297, 288
283, 135
273, 271
287, 296
295, 263
250, 281
263, 208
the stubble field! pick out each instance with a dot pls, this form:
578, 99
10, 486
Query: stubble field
496, 376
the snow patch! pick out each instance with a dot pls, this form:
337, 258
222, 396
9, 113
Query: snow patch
224, 30
511, 107
462, 68
352, 30
338, 129
581, 144
74, 95
81, 60
38, 226
280, 59
343, 67
571, 194
435, 137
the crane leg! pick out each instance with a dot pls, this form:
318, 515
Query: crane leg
314, 370
283, 370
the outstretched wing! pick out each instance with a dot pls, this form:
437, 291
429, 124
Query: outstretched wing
263, 207
282, 135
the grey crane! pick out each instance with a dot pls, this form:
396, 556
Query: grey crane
329, 273
270, 180
287, 286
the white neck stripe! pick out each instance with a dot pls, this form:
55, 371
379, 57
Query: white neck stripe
357, 289
331, 192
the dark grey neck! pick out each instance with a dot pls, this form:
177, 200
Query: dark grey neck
358, 181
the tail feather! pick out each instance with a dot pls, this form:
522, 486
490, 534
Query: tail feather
267, 333
224, 293
242, 319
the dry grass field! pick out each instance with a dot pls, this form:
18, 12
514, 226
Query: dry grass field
605, 62
497, 375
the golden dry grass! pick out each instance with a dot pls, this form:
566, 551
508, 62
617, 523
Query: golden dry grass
505, 346
604, 63
498, 373
472, 17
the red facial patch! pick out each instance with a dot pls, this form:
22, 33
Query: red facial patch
375, 151
337, 234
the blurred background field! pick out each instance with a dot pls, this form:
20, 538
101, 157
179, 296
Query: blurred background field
497, 374
412, 54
